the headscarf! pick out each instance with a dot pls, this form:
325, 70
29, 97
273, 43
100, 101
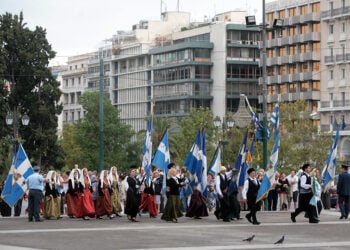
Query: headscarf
110, 175
71, 176
49, 178
102, 179
82, 177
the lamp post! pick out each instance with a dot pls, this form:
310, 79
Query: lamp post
228, 123
12, 118
278, 23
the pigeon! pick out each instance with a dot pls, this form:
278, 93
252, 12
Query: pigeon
280, 241
250, 238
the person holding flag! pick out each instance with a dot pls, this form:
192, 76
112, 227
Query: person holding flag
305, 195
35, 183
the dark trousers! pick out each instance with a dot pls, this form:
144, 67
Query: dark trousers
253, 208
272, 199
34, 199
18, 207
343, 201
304, 205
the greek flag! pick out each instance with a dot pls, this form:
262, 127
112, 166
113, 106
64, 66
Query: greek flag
196, 161
15, 185
162, 156
329, 170
240, 166
269, 175
147, 150
215, 165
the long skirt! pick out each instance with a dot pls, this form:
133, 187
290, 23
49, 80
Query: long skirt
88, 206
149, 203
52, 207
132, 203
172, 208
71, 205
103, 204
197, 207
115, 200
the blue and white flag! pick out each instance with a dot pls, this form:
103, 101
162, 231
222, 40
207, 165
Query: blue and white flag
204, 181
196, 160
161, 158
269, 175
147, 150
240, 166
329, 170
21, 169
215, 165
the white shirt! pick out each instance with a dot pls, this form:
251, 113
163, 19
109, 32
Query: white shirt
303, 182
246, 187
293, 179
217, 180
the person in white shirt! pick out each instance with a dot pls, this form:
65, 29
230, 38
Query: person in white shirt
293, 182
249, 194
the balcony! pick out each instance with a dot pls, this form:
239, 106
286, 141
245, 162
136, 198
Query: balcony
329, 59
340, 58
335, 13
310, 17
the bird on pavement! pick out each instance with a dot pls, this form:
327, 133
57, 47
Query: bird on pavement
280, 241
250, 238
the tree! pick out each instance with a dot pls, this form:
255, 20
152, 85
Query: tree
118, 146
25, 55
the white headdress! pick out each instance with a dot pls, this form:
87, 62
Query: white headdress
110, 175
102, 178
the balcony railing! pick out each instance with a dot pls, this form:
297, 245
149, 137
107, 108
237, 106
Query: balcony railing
334, 13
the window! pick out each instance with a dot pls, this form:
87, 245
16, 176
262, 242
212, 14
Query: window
343, 4
331, 6
342, 46
292, 12
292, 68
330, 51
316, 27
293, 50
281, 14
315, 7
282, 51
292, 31
304, 29
270, 17
303, 48
282, 70
283, 88
330, 75
316, 85
342, 29
316, 46
304, 67
304, 86
303, 10
72, 82
316, 66
292, 88
331, 29
342, 76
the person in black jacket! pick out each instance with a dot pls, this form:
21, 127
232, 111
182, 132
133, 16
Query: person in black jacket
343, 190
172, 209
249, 194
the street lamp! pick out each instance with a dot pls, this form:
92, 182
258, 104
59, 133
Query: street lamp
12, 118
228, 123
250, 21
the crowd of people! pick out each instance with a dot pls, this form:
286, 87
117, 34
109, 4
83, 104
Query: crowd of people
84, 194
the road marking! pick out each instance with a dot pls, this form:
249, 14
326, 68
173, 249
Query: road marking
164, 226
260, 246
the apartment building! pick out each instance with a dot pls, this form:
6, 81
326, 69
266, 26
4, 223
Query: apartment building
294, 53
335, 77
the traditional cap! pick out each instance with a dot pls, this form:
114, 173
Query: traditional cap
345, 165
305, 166
250, 170
36, 168
133, 167
222, 168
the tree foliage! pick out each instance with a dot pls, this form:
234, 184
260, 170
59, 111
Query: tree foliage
24, 59
81, 141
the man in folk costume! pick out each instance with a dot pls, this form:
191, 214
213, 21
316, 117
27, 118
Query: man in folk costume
305, 195
140, 185
103, 204
249, 194
85, 200
52, 199
222, 181
132, 200
115, 196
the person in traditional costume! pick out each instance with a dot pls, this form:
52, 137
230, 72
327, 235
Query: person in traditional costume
132, 200
103, 204
72, 192
197, 207
172, 209
85, 201
115, 199
148, 202
52, 200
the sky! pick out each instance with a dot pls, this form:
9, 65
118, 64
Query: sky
79, 26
